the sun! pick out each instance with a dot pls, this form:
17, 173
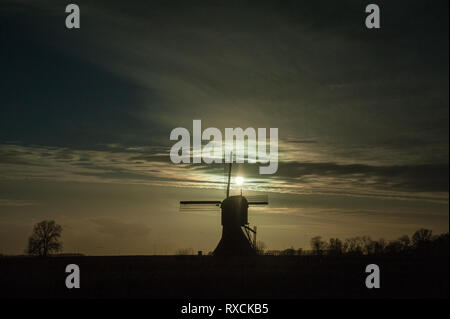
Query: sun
239, 180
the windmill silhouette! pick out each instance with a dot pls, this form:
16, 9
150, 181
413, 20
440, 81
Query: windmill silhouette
238, 238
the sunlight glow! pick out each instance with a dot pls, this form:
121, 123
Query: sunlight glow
239, 180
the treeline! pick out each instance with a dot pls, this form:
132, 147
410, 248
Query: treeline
422, 242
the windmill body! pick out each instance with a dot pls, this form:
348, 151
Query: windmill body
234, 217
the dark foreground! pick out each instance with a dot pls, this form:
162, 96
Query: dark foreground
183, 277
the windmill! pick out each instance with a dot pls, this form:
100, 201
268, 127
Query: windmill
238, 238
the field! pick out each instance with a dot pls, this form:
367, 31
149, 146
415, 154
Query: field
182, 277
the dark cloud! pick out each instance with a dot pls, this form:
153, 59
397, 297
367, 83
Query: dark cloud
132, 73
417, 178
400, 178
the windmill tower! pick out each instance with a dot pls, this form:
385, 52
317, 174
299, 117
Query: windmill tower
238, 239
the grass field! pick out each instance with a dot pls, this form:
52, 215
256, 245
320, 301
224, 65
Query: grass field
271, 277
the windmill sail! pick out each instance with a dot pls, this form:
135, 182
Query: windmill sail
194, 205
258, 200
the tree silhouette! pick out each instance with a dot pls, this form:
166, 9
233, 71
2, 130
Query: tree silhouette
45, 238
420, 244
405, 243
394, 247
422, 241
335, 247
440, 244
422, 236
354, 245
318, 245
289, 252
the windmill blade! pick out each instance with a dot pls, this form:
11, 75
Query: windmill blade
257, 203
197, 205
200, 202
229, 174
198, 208
225, 178
258, 200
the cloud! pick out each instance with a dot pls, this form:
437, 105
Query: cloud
153, 167
17, 202
315, 73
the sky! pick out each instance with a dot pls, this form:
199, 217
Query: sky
86, 116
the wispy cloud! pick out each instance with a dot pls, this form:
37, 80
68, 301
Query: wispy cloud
17, 202
136, 165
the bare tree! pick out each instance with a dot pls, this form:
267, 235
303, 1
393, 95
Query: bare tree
367, 245
335, 247
45, 238
422, 236
318, 245
354, 246
405, 242
394, 247
380, 246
